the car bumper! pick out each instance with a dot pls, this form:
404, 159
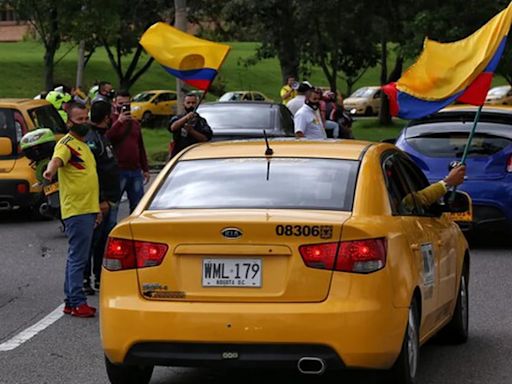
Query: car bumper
11, 198
353, 332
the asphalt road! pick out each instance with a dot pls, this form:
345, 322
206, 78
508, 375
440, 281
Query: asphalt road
32, 260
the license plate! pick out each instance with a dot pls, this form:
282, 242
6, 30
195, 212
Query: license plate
460, 216
49, 189
232, 273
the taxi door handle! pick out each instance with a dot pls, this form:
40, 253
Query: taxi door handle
415, 247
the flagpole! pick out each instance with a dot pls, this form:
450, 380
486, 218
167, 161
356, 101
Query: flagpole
471, 135
468, 145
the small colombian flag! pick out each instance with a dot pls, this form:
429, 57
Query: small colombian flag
193, 60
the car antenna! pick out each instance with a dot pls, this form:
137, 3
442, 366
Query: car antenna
269, 151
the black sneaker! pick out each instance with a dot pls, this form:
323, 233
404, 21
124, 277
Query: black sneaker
87, 288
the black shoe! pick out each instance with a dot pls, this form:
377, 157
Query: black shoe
88, 289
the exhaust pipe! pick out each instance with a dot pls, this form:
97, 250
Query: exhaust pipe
5, 206
311, 366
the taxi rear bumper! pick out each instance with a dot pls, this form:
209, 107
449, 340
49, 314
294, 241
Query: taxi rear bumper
354, 331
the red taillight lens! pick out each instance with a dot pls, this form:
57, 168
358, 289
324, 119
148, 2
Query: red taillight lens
22, 188
321, 256
359, 256
123, 254
509, 164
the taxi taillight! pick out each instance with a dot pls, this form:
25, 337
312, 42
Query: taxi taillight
121, 254
358, 256
509, 164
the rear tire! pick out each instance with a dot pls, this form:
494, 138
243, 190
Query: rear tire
406, 366
128, 374
457, 330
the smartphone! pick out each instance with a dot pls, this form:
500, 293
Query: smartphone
125, 108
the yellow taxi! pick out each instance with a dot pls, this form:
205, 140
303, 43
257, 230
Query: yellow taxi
148, 104
18, 184
501, 95
298, 255
364, 101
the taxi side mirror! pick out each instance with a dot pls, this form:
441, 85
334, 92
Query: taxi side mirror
5, 146
457, 202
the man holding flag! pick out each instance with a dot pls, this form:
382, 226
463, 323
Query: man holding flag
188, 128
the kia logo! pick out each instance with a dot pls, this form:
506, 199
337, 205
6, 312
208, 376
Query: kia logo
231, 233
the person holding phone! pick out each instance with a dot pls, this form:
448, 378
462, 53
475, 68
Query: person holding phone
126, 137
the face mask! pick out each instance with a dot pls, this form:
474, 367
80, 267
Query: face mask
313, 104
80, 129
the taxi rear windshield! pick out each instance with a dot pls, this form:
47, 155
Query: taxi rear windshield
277, 183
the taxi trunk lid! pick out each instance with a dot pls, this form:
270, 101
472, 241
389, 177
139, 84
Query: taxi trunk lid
236, 255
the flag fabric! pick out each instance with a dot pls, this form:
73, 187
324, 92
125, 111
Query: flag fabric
195, 61
447, 72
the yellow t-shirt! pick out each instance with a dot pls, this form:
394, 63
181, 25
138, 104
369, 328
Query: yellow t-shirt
286, 88
78, 181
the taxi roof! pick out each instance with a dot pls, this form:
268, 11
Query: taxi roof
289, 147
21, 103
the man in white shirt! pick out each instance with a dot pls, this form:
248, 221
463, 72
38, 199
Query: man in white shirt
298, 101
307, 120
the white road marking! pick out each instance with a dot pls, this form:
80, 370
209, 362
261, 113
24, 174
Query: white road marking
30, 332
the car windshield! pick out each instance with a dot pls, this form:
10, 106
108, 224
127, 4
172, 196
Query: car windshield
231, 96
326, 184
142, 97
48, 117
242, 115
498, 91
363, 92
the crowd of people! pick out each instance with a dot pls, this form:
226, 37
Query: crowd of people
100, 158
317, 114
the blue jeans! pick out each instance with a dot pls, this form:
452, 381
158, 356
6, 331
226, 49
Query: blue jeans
99, 241
332, 125
79, 230
132, 181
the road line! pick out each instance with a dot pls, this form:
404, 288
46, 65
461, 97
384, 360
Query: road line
30, 332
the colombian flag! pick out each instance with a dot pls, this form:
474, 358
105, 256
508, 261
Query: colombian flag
193, 60
447, 72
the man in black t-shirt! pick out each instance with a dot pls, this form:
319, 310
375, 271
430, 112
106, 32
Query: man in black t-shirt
188, 128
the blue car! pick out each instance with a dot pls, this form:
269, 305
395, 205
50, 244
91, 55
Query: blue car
435, 141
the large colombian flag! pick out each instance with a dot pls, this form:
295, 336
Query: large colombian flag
447, 72
193, 60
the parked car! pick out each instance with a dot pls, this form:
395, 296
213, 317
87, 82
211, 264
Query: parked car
364, 101
501, 95
18, 183
149, 104
302, 259
244, 96
435, 141
238, 120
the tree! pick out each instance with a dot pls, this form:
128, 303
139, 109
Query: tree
120, 38
276, 25
338, 41
52, 21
